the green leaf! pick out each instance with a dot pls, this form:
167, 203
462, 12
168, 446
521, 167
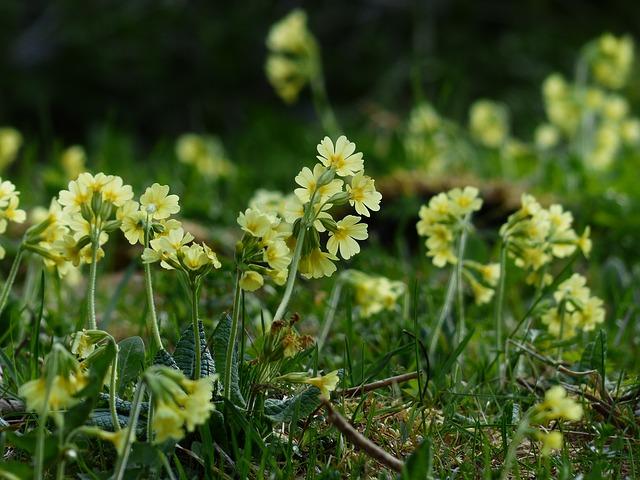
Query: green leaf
594, 355
451, 359
184, 353
299, 406
220, 343
130, 361
163, 357
102, 419
420, 463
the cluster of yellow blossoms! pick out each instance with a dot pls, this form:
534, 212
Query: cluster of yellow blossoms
67, 376
179, 404
293, 55
10, 143
533, 236
597, 121
489, 123
374, 294
428, 141
205, 153
273, 222
575, 309
443, 221
556, 406
9, 211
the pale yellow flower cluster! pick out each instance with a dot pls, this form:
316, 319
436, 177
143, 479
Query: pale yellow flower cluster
374, 294
482, 279
179, 404
534, 236
205, 153
338, 179
428, 140
611, 59
293, 55
9, 211
69, 378
443, 219
10, 143
265, 248
555, 406
489, 123
575, 309
598, 121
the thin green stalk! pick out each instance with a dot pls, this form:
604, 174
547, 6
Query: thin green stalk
38, 468
6, 289
150, 413
62, 464
232, 337
334, 299
195, 290
121, 464
293, 272
320, 98
112, 389
523, 426
153, 320
460, 291
93, 271
500, 301
444, 312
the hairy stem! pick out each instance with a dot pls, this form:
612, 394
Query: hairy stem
195, 290
112, 389
91, 289
232, 337
6, 289
448, 301
500, 302
153, 318
293, 272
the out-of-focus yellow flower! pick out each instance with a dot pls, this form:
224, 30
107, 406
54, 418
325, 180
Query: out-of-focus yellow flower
550, 441
489, 123
73, 160
205, 153
374, 294
612, 60
10, 143
557, 405
546, 136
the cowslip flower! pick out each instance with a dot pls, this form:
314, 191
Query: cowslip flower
344, 237
308, 181
325, 383
317, 264
157, 202
363, 196
342, 157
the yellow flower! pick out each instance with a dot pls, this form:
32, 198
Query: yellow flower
116, 192
488, 122
196, 256
251, 281
308, 180
197, 405
157, 202
133, 222
326, 383
118, 439
550, 441
76, 196
167, 422
255, 222
546, 136
290, 34
277, 255
10, 142
481, 293
317, 264
82, 344
347, 231
341, 157
12, 212
465, 201
363, 195
591, 314
61, 395
73, 160
557, 405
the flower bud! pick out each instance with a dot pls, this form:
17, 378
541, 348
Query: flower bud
340, 198
326, 177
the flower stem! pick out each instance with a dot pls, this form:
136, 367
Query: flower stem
293, 272
523, 426
320, 98
334, 299
500, 304
462, 243
121, 465
448, 300
112, 389
195, 290
91, 292
6, 289
232, 337
153, 318
38, 468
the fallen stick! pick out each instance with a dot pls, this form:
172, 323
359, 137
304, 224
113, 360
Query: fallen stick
352, 392
360, 441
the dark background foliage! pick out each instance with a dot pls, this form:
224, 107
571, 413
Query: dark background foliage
160, 67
